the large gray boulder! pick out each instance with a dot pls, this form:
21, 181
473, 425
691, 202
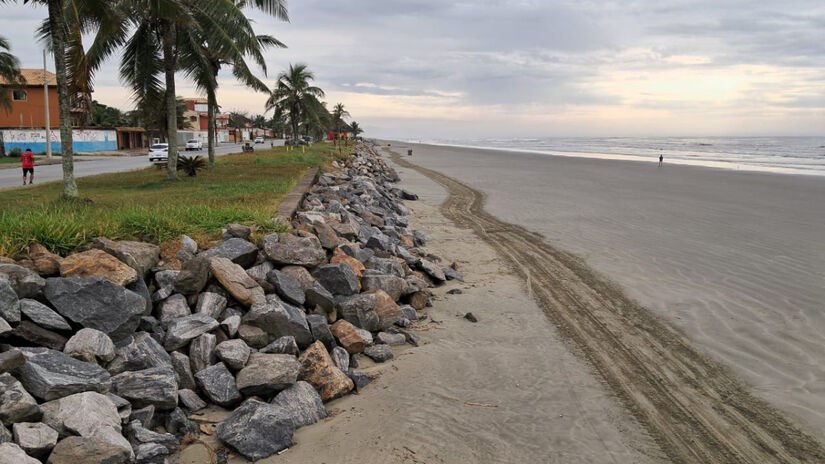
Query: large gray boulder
303, 404
173, 308
379, 353
320, 330
431, 269
185, 329
10, 360
16, 404
283, 345
81, 414
257, 430
182, 366
35, 438
234, 353
339, 278
193, 276
211, 304
291, 249
202, 352
165, 287
25, 283
359, 310
93, 450
287, 286
90, 345
9, 303
140, 256
319, 296
138, 435
217, 383
142, 352
10, 453
49, 374
265, 374
156, 387
97, 303
237, 250
279, 319
28, 333
190, 400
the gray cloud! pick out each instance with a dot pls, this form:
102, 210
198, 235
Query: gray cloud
523, 53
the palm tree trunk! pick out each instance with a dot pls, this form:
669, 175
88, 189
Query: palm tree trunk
169, 64
63, 97
294, 120
211, 129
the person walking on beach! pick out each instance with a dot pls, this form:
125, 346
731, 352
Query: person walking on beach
661, 159
27, 160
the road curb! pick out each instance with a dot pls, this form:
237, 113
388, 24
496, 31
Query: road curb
293, 199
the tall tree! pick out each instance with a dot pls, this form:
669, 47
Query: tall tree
92, 12
294, 96
10, 73
355, 129
161, 37
247, 45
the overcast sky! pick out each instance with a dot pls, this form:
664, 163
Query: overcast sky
497, 68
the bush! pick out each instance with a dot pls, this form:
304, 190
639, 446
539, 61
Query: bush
191, 165
15, 152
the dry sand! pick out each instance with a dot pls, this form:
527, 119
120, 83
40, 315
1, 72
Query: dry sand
504, 390
735, 260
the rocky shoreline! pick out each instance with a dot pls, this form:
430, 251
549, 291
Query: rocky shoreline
107, 353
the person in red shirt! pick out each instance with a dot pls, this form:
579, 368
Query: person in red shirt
27, 159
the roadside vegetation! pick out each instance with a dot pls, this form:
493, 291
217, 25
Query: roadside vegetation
142, 205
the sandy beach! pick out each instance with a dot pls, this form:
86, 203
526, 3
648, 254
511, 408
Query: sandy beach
506, 389
734, 260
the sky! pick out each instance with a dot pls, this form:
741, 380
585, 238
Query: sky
438, 69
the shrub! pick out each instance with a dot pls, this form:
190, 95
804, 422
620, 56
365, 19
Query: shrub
15, 152
191, 165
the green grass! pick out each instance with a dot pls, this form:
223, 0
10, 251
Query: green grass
142, 205
9, 160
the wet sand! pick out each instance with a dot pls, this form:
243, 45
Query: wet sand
504, 390
734, 260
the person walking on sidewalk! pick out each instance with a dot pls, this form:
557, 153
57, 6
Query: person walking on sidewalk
27, 160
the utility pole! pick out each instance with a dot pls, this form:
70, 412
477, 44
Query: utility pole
46, 99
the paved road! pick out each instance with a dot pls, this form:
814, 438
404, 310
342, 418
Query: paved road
92, 165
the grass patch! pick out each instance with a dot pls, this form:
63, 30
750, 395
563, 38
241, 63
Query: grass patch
142, 205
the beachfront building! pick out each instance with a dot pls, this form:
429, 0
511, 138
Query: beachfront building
196, 118
24, 125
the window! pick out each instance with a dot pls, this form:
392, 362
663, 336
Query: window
19, 95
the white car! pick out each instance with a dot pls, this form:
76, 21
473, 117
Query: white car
259, 140
159, 153
194, 144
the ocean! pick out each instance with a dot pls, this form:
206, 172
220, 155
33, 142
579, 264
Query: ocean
788, 155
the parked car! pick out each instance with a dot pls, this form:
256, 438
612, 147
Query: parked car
259, 140
194, 144
159, 153
289, 142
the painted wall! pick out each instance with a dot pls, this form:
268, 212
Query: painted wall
32, 110
83, 140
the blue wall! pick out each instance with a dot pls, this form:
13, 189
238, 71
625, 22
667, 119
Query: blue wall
108, 145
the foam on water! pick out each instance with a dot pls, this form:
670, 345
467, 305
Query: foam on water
786, 155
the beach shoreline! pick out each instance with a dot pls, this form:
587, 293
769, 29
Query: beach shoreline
731, 259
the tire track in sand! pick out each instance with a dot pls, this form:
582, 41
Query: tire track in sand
694, 407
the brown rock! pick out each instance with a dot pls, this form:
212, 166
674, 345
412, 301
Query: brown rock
341, 257
94, 263
319, 370
407, 240
418, 300
347, 335
44, 261
237, 282
388, 312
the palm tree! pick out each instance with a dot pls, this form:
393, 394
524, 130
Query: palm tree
167, 36
247, 45
89, 12
355, 129
10, 73
294, 96
338, 115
